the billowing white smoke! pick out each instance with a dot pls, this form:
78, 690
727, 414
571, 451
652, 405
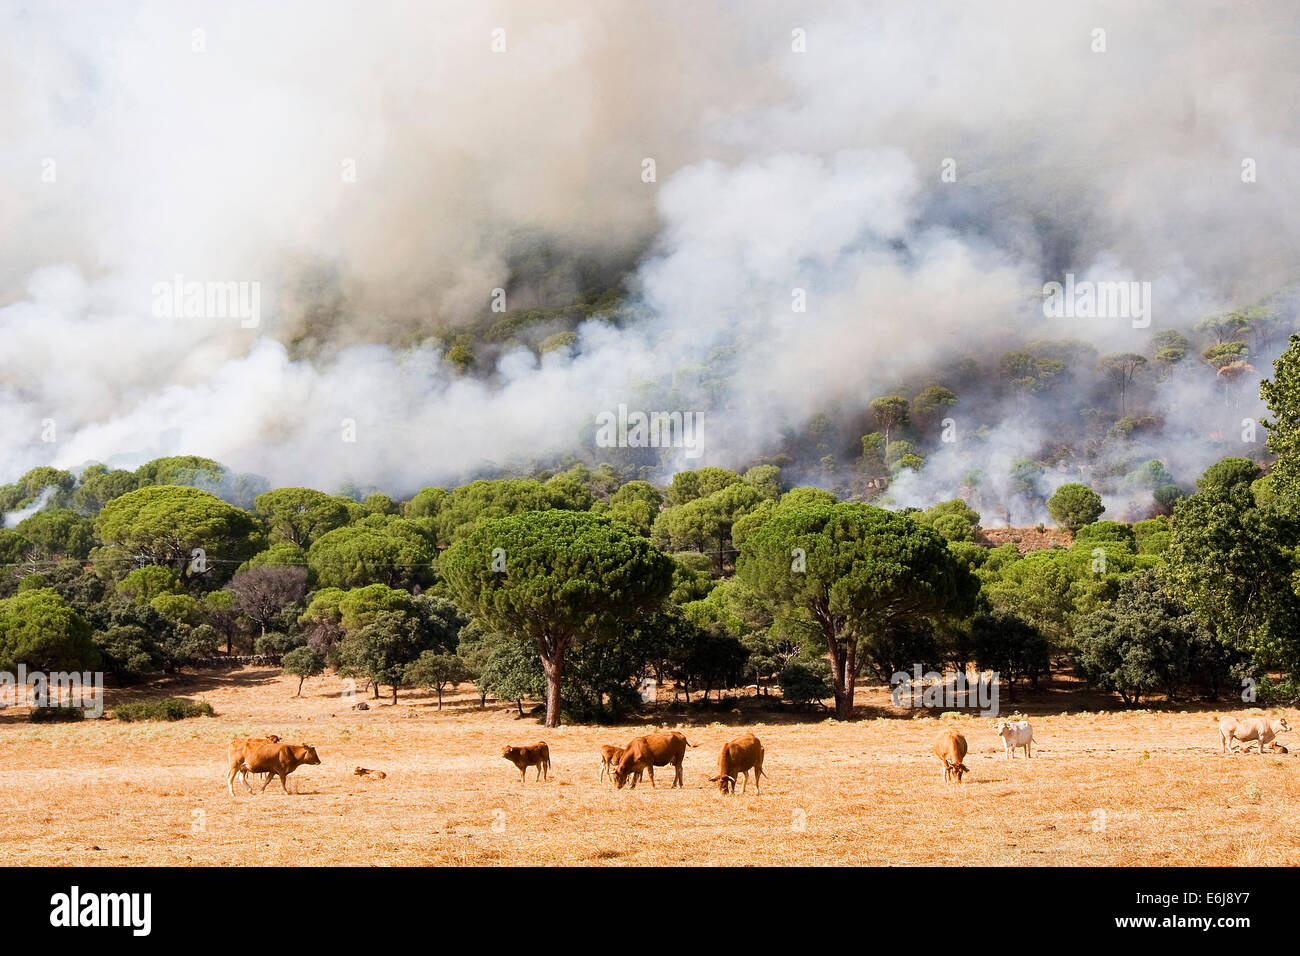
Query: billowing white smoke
777, 171
12, 518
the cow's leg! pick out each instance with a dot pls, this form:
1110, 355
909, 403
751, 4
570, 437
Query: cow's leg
284, 777
230, 780
1029, 749
651, 770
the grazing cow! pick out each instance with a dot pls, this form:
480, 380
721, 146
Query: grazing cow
538, 755
950, 747
740, 756
609, 758
1018, 734
275, 759
1246, 729
652, 750
370, 774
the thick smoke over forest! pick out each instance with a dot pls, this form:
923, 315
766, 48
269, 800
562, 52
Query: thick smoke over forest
871, 217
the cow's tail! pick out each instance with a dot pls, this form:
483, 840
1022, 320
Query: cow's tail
688, 743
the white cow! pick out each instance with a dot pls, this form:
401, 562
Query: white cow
1249, 729
1018, 734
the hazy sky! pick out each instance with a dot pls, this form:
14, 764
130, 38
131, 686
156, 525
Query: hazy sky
376, 168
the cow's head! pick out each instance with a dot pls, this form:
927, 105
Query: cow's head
1001, 728
511, 753
1283, 724
726, 783
959, 769
312, 758
623, 770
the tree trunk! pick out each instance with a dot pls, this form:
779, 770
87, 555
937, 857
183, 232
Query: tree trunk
554, 668
440, 698
376, 687
843, 675
394, 693
519, 702
300, 680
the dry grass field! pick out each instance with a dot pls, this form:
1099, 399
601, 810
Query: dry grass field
1139, 788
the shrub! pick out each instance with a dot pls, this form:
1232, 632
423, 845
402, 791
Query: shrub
56, 715
1272, 693
803, 682
275, 643
1103, 532
163, 708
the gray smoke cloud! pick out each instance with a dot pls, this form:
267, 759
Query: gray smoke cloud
149, 140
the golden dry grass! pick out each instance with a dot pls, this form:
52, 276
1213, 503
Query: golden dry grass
1120, 788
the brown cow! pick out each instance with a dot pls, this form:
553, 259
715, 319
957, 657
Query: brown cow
609, 758
652, 750
243, 771
950, 747
538, 755
273, 759
740, 756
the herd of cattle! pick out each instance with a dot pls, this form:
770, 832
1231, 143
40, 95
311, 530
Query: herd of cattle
741, 757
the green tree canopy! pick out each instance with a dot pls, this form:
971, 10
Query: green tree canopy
391, 551
1073, 505
568, 577
40, 630
195, 533
855, 570
300, 515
